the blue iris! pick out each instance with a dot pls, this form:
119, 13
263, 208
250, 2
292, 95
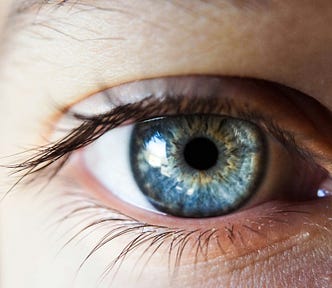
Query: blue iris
197, 165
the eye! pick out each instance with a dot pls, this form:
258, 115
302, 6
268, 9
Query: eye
201, 147
187, 166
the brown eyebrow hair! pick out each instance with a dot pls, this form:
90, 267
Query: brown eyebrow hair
25, 13
21, 6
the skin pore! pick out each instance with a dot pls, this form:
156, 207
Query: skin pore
56, 55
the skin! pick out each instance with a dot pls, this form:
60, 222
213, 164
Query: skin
64, 58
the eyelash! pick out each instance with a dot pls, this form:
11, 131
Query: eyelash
153, 237
55, 156
93, 127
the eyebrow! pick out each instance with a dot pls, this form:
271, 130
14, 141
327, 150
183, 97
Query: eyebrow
23, 13
20, 7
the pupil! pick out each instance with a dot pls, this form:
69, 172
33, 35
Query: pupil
201, 153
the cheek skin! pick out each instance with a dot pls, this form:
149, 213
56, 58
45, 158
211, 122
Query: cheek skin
277, 244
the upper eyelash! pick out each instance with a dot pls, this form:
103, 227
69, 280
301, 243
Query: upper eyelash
95, 126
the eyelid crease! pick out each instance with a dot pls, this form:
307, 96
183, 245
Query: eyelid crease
94, 126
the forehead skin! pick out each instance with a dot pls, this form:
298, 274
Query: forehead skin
158, 38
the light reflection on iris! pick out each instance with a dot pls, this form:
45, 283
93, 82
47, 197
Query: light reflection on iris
155, 152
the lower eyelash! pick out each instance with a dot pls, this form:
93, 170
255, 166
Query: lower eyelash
122, 225
152, 238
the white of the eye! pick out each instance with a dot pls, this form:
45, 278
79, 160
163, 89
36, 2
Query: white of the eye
107, 159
